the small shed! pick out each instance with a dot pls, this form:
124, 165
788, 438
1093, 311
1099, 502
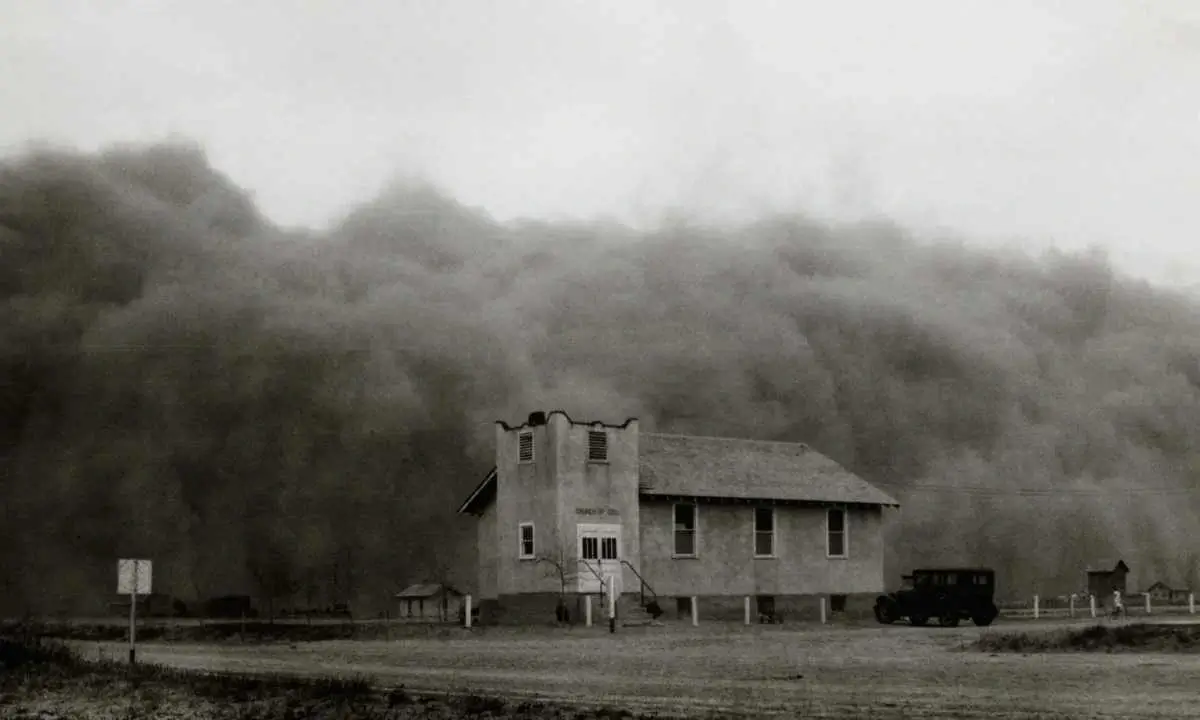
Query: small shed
429, 602
1159, 591
1165, 593
1104, 577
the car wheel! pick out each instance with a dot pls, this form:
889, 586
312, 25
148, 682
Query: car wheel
948, 621
918, 619
985, 615
885, 613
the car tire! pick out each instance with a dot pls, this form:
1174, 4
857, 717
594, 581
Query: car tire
984, 619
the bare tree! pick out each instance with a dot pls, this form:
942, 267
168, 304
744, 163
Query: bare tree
563, 564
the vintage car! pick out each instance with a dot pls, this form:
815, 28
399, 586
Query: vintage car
948, 594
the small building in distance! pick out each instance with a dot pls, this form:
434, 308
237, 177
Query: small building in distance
574, 509
429, 602
1162, 592
1105, 576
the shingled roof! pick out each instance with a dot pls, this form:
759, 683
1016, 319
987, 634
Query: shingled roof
426, 590
729, 468
1107, 565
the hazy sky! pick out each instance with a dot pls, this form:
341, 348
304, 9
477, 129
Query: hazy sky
1064, 122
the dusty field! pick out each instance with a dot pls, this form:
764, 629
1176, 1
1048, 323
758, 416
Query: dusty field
814, 671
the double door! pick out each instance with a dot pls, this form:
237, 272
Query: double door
599, 551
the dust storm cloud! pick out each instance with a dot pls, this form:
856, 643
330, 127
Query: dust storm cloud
297, 415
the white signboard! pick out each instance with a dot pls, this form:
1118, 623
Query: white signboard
131, 574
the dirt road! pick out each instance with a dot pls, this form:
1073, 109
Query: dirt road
814, 672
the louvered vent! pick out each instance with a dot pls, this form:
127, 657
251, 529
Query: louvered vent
525, 452
597, 446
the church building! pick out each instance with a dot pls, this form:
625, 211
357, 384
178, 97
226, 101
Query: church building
574, 508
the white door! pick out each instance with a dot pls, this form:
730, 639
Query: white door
599, 557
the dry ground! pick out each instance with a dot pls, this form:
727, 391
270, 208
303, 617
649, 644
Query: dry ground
810, 671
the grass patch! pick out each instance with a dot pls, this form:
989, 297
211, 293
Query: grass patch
43, 679
217, 631
1137, 637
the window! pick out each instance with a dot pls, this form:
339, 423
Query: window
835, 523
525, 444
837, 603
683, 606
608, 548
764, 532
685, 530
590, 550
597, 446
526, 540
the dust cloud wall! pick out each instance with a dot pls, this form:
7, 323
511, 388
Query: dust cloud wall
297, 414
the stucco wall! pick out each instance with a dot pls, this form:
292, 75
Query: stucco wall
725, 562
488, 554
598, 493
524, 493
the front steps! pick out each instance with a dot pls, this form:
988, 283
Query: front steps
631, 613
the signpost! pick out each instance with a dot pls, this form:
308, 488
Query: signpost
133, 579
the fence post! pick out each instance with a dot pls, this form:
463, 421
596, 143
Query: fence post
612, 604
1092, 604
747, 609
1191, 603
587, 610
468, 613
1036, 608
695, 612
822, 609
1147, 596
1072, 606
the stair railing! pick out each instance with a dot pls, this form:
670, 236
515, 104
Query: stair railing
644, 585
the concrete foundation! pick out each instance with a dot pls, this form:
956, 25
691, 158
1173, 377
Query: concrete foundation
540, 608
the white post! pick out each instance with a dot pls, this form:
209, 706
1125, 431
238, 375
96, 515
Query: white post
587, 610
612, 604
1092, 604
747, 609
1036, 608
695, 612
822, 609
133, 615
1072, 606
1192, 603
1147, 596
468, 613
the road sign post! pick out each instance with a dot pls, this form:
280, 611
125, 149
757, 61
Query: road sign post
133, 617
133, 579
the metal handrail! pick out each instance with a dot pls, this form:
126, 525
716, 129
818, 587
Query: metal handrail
595, 572
642, 580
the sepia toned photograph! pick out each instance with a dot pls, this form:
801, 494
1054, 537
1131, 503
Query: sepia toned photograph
448, 359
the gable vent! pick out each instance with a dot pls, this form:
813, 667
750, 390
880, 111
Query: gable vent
525, 447
597, 446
